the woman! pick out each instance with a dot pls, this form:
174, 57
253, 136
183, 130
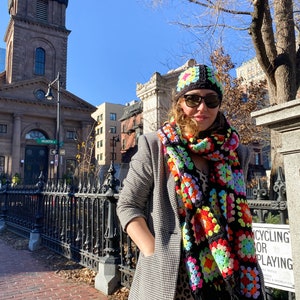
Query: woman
184, 204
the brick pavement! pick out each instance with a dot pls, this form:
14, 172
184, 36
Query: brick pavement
23, 278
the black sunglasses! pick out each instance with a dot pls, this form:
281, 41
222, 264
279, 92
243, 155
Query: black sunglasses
194, 100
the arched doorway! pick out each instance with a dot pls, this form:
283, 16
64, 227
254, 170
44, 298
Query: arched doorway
36, 158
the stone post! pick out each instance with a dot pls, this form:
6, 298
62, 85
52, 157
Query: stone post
35, 234
108, 276
285, 118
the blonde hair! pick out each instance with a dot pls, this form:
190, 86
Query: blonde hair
187, 125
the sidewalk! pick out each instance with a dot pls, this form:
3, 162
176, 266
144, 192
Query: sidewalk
23, 278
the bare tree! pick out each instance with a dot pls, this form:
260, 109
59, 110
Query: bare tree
273, 28
85, 154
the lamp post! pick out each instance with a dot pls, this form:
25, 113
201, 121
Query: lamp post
49, 96
114, 140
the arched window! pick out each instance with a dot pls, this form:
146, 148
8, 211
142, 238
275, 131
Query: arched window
39, 68
35, 134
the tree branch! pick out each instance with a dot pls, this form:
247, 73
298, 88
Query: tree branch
215, 6
269, 40
258, 19
191, 26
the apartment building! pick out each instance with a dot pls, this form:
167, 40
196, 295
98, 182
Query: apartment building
107, 134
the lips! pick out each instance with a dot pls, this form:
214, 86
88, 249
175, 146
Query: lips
201, 117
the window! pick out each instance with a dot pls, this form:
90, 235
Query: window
42, 10
100, 144
100, 118
113, 116
2, 164
39, 68
35, 134
101, 130
257, 157
3, 128
113, 129
71, 135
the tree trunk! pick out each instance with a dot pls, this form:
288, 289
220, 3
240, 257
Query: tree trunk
277, 57
285, 62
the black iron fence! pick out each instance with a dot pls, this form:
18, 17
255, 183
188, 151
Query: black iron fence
81, 224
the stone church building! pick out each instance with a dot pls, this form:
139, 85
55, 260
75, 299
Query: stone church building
38, 135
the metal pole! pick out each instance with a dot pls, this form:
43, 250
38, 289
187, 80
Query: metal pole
50, 97
113, 152
114, 140
58, 127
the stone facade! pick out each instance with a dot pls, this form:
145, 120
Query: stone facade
33, 26
156, 95
284, 118
36, 52
250, 71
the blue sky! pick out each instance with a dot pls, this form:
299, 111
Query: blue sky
114, 45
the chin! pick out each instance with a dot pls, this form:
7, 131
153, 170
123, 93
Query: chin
202, 127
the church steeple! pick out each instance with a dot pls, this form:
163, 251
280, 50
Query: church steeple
36, 40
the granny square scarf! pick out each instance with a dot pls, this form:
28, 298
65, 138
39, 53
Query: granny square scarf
218, 244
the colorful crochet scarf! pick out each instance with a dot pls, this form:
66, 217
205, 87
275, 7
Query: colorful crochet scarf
218, 244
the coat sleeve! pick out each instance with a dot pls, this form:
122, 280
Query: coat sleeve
137, 186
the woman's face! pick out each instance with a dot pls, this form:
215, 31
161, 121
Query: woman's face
201, 113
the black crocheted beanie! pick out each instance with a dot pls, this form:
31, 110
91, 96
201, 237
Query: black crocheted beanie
197, 77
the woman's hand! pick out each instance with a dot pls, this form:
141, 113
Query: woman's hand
139, 232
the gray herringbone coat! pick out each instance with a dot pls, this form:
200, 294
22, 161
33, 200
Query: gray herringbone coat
150, 187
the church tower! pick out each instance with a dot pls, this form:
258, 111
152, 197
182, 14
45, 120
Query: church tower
38, 135
36, 40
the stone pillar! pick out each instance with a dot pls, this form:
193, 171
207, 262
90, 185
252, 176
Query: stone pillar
285, 118
16, 144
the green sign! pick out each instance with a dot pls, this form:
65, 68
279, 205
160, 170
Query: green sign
46, 142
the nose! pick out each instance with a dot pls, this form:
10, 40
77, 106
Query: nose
202, 105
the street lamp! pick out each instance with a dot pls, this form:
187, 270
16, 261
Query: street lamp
114, 140
49, 96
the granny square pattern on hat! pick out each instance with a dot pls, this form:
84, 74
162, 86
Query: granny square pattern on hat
191, 75
198, 77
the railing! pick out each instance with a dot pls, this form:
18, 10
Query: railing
261, 205
74, 224
82, 224
79, 224
19, 207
